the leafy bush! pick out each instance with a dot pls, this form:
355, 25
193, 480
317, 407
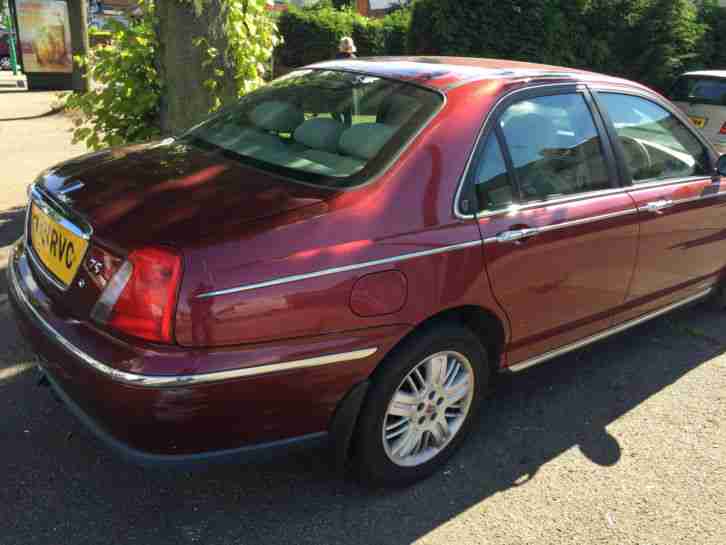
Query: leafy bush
123, 105
646, 40
395, 29
480, 28
125, 100
713, 43
665, 42
312, 35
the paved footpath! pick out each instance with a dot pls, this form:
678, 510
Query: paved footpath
32, 138
622, 443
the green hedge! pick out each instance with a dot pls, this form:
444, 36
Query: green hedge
650, 41
312, 35
646, 40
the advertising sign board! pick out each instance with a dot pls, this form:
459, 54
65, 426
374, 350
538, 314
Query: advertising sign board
45, 36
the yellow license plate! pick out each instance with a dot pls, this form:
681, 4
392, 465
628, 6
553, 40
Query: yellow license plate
699, 122
60, 250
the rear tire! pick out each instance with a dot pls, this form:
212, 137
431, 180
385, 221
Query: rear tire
717, 300
438, 378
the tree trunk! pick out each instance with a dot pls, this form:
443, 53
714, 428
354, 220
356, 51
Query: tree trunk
78, 16
185, 100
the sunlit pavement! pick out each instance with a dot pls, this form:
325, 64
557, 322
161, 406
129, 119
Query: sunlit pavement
14, 82
621, 443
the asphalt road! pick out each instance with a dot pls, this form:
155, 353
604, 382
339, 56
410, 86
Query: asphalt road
621, 443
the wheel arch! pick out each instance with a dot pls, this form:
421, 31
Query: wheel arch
485, 324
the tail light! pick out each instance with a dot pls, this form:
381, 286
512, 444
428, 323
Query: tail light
140, 298
723, 129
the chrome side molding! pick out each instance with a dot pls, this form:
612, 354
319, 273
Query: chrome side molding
174, 381
337, 270
517, 367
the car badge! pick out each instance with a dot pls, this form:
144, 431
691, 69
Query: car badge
94, 265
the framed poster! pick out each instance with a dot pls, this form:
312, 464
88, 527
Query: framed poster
45, 36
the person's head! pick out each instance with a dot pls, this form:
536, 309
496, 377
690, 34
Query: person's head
347, 45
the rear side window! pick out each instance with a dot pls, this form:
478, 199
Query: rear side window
491, 180
699, 90
656, 145
554, 146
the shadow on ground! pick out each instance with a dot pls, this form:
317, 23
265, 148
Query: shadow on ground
60, 483
48, 113
11, 225
11, 229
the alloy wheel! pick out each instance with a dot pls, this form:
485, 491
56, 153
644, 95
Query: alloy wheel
428, 408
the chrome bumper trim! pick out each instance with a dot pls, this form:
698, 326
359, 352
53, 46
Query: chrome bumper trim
173, 381
517, 367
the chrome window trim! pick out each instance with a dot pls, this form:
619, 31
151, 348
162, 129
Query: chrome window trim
551, 202
699, 198
597, 87
573, 223
670, 181
337, 270
517, 367
602, 193
175, 381
506, 96
583, 221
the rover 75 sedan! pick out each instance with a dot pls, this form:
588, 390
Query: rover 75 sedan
348, 255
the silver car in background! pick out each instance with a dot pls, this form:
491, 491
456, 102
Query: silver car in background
702, 96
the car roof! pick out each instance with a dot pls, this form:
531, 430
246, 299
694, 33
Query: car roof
707, 73
446, 73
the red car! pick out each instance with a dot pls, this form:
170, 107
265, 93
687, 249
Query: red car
349, 254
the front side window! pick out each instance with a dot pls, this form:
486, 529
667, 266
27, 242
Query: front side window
656, 145
555, 147
326, 127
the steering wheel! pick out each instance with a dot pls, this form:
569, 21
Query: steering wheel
636, 155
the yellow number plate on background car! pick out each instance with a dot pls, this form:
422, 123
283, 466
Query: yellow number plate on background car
60, 250
699, 122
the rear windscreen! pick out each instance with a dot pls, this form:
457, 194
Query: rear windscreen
700, 90
325, 127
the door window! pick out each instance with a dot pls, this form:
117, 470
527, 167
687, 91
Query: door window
491, 180
555, 147
656, 145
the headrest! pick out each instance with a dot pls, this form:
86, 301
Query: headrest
365, 140
320, 133
527, 135
277, 116
397, 109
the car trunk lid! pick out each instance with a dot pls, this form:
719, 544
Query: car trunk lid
109, 203
173, 193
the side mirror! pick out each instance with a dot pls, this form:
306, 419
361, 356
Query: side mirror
721, 165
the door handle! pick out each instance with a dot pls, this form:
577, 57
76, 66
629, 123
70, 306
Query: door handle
516, 235
657, 207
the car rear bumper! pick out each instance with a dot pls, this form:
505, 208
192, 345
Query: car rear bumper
255, 452
187, 415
